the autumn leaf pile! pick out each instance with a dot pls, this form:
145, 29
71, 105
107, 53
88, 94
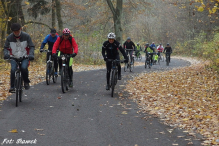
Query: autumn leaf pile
185, 97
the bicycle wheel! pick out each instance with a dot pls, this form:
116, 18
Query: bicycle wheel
63, 80
132, 65
48, 73
125, 67
67, 78
140, 57
149, 65
21, 89
54, 77
112, 82
17, 84
158, 60
145, 64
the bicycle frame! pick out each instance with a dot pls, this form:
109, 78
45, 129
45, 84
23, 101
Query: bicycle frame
65, 72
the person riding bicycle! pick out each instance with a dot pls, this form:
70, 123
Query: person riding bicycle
128, 44
50, 39
159, 49
153, 45
137, 50
110, 51
168, 49
149, 51
19, 45
66, 44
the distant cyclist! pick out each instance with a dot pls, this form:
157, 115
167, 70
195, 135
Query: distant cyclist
110, 51
153, 45
50, 39
149, 51
168, 49
159, 49
19, 45
66, 44
128, 44
137, 49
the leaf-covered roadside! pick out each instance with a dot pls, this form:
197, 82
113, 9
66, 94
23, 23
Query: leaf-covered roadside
185, 97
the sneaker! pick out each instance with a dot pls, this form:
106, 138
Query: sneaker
119, 77
12, 90
26, 86
71, 84
107, 87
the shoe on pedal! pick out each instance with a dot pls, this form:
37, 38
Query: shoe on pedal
119, 77
107, 87
12, 90
26, 86
71, 84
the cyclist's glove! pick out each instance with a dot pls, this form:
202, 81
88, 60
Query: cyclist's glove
73, 55
41, 50
54, 55
7, 56
31, 57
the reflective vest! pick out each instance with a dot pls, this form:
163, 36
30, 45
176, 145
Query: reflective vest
149, 50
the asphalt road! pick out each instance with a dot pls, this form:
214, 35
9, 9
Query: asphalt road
86, 115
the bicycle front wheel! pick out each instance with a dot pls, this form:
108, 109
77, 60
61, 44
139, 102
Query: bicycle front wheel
48, 74
112, 82
132, 65
17, 85
140, 57
63, 79
145, 64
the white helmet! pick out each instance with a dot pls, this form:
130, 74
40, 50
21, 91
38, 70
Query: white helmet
111, 36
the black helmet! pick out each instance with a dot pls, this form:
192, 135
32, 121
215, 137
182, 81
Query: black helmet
15, 26
128, 38
147, 44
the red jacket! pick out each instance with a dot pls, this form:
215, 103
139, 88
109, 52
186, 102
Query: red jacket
65, 46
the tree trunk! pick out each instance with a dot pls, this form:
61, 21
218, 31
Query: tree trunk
117, 16
53, 14
58, 14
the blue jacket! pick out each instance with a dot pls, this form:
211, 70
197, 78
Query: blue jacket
153, 45
50, 40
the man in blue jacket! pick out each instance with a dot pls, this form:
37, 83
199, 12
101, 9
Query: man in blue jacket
50, 39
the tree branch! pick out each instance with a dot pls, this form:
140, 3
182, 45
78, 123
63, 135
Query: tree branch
40, 23
110, 4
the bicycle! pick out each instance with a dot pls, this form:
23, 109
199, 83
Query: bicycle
129, 65
19, 83
114, 74
138, 55
148, 60
65, 76
167, 58
50, 70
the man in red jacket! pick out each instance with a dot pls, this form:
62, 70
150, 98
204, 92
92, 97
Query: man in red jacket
66, 45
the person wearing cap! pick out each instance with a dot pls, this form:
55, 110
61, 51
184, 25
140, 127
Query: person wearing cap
67, 45
110, 51
50, 39
19, 45
128, 44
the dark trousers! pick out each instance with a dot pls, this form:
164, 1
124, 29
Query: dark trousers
109, 67
24, 71
55, 60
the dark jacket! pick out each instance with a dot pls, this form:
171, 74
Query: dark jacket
110, 51
129, 45
168, 49
19, 47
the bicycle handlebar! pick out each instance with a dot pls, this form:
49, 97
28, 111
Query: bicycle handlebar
129, 49
17, 59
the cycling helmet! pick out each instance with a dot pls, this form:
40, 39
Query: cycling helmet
137, 43
15, 26
111, 35
128, 38
168, 44
160, 44
66, 31
147, 45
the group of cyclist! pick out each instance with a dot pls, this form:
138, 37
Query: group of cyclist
19, 45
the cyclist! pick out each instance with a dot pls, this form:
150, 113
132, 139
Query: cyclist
137, 50
159, 49
19, 44
128, 44
149, 51
50, 39
66, 44
153, 45
110, 51
168, 49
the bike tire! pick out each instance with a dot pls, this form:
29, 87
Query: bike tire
145, 64
17, 84
125, 67
112, 82
21, 89
54, 77
132, 65
140, 57
67, 79
48, 69
63, 80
